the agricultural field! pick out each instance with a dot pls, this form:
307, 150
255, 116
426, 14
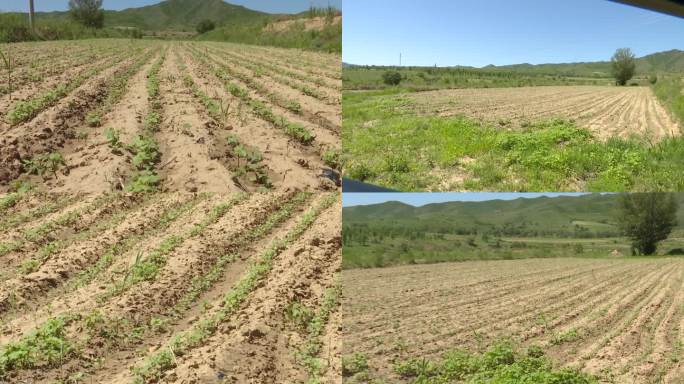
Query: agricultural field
613, 320
98, 116
545, 138
172, 287
606, 111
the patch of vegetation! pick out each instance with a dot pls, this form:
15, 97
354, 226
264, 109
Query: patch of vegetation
46, 346
308, 353
144, 181
146, 153
331, 158
354, 364
44, 164
93, 119
501, 363
114, 140
251, 159
11, 199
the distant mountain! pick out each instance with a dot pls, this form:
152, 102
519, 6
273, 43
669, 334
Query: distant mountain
179, 14
671, 61
175, 15
661, 62
542, 213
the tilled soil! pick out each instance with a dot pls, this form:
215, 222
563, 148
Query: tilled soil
618, 319
606, 111
194, 156
195, 249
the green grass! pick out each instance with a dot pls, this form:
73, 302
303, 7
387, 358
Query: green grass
502, 363
670, 91
387, 144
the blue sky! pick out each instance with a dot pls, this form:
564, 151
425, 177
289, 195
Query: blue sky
271, 6
482, 32
418, 199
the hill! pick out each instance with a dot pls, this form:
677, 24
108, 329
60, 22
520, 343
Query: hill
662, 62
172, 15
593, 213
182, 14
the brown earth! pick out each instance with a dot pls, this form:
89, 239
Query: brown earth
76, 281
618, 319
606, 111
192, 140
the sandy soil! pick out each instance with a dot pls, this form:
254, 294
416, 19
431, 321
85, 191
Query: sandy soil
194, 154
245, 228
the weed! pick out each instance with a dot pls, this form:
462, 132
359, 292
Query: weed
145, 181
146, 153
114, 140
500, 364
47, 345
298, 314
152, 121
93, 119
353, 364
7, 62
43, 164
331, 158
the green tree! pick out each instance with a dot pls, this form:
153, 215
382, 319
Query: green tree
87, 12
205, 26
624, 65
647, 218
391, 78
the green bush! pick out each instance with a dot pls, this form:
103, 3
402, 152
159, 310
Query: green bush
392, 78
205, 26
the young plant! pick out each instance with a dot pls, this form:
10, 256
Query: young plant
42, 164
93, 119
113, 138
7, 62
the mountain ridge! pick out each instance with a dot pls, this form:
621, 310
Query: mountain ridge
658, 62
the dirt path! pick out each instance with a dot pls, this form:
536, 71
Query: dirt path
187, 140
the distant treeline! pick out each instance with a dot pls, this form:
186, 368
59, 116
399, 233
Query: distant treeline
14, 27
424, 78
361, 233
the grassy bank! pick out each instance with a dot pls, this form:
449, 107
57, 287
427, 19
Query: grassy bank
670, 92
387, 144
327, 39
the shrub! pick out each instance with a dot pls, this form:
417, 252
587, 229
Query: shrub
205, 26
392, 78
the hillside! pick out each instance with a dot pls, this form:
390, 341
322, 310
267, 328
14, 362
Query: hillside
173, 15
543, 214
182, 14
662, 62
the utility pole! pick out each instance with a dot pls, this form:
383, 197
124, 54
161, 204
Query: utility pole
31, 14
